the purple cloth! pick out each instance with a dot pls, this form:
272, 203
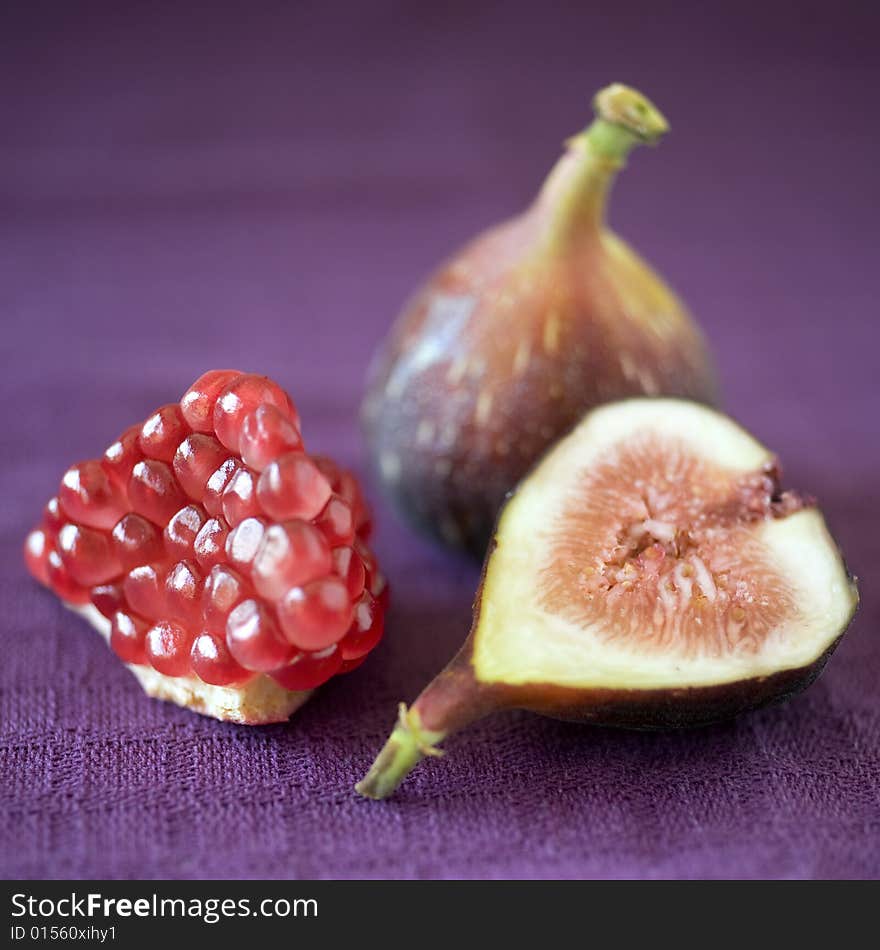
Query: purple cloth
263, 189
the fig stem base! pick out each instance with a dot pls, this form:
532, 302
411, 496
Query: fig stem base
408, 744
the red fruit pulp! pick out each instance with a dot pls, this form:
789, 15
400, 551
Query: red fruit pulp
216, 545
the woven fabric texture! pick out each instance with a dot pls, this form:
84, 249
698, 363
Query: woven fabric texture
183, 190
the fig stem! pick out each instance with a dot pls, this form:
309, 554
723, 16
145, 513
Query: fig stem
576, 190
408, 744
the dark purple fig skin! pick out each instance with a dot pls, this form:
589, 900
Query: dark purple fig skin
506, 346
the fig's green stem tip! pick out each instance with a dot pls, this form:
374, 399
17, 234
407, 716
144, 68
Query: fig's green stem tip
408, 744
627, 108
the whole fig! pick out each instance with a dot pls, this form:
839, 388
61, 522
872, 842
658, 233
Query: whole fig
527, 326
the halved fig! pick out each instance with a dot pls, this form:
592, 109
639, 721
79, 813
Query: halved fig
649, 573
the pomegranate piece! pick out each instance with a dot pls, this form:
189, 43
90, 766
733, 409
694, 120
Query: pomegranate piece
208, 546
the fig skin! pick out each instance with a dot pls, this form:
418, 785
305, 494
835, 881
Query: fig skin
524, 329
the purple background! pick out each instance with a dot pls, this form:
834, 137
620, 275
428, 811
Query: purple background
263, 189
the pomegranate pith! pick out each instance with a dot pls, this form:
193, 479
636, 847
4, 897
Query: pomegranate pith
218, 548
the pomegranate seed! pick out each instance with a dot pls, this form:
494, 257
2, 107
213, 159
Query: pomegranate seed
292, 487
244, 541
136, 541
167, 647
122, 456
213, 499
310, 670
161, 434
348, 565
182, 530
127, 635
240, 398
239, 498
144, 591
346, 486
197, 404
107, 599
88, 555
224, 590
289, 555
89, 497
61, 582
329, 469
195, 461
366, 628
336, 522
213, 663
210, 543
317, 615
267, 433
375, 581
53, 516
36, 555
153, 491
183, 593
254, 639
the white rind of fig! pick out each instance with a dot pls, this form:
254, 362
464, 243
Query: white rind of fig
258, 702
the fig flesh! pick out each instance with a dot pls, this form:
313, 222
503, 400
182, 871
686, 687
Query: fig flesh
528, 326
649, 573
